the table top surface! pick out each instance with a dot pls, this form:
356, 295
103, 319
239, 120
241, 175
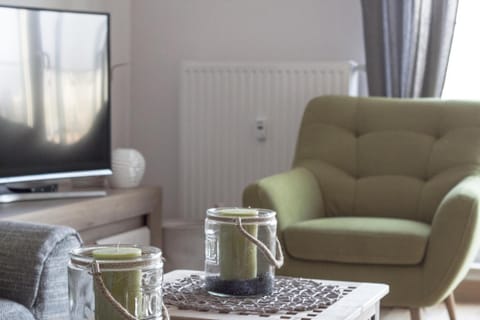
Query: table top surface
357, 303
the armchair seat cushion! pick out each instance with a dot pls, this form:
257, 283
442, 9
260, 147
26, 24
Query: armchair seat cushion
363, 240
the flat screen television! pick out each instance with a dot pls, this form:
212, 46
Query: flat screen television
54, 94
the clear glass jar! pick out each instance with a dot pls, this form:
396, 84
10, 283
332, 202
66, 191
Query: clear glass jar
132, 275
241, 251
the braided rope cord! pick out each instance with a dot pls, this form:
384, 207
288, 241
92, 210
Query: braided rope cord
276, 260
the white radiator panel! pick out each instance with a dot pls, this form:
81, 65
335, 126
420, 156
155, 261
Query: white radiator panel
219, 105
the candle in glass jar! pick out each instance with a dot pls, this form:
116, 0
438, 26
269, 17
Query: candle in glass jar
124, 285
238, 255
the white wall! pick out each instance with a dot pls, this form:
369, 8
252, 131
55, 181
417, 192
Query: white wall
120, 53
165, 32
154, 36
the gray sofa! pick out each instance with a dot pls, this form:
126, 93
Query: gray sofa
33, 270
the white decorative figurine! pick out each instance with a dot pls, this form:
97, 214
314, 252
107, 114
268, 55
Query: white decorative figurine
128, 166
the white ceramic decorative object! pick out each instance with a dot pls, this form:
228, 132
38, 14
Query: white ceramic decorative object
128, 167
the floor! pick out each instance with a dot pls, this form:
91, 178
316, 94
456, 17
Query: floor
439, 312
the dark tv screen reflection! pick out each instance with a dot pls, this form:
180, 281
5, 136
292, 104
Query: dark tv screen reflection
54, 94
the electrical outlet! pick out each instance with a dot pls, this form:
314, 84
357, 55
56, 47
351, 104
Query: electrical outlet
260, 129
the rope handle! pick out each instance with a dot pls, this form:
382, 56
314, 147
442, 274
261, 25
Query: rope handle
100, 284
276, 260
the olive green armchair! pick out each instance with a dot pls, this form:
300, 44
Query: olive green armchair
381, 190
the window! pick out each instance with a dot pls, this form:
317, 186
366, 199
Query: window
463, 73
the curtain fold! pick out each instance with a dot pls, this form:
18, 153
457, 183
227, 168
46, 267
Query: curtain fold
407, 45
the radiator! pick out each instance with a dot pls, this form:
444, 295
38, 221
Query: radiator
239, 122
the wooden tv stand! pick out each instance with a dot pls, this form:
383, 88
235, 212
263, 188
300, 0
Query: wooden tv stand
96, 217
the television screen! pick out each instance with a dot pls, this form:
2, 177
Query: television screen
54, 94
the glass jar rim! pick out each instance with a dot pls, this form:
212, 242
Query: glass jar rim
263, 215
83, 256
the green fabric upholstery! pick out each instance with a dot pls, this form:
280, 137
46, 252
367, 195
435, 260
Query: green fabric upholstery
358, 240
381, 190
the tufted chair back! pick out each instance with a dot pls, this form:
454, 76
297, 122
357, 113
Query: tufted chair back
388, 157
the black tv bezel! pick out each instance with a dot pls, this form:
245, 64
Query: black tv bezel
52, 174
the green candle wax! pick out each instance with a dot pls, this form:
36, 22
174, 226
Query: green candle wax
124, 285
117, 253
238, 256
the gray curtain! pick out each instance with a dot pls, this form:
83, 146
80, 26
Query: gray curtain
407, 45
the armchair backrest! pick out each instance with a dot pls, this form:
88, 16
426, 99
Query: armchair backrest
388, 157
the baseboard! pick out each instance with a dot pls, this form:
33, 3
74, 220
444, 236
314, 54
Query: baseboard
468, 289
467, 292
140, 236
182, 224
183, 245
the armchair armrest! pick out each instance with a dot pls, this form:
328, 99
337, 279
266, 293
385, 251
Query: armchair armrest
295, 195
454, 239
33, 266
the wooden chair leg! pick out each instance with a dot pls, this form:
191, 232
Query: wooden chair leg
415, 314
450, 302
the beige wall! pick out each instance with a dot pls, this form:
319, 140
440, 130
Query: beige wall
165, 32
120, 53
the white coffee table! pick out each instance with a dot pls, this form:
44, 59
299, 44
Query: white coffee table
363, 303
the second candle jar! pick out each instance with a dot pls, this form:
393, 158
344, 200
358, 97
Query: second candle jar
115, 282
234, 264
